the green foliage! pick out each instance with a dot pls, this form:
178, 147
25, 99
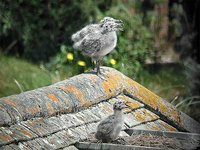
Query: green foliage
42, 31
135, 43
19, 76
41, 26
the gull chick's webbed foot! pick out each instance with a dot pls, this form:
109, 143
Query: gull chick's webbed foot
97, 40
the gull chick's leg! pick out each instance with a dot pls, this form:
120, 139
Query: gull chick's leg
93, 64
98, 67
94, 69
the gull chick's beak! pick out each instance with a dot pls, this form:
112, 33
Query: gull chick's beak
118, 21
127, 104
119, 24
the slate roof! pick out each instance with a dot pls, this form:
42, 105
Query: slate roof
59, 115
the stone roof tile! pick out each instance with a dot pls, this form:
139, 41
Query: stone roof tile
59, 115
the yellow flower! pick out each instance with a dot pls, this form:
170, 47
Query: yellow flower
70, 56
113, 61
81, 63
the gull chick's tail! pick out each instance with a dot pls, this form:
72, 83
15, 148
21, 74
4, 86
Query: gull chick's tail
75, 37
77, 45
80, 34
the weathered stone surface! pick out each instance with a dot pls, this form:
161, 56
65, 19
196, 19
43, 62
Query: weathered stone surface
19, 133
189, 123
39, 143
13, 147
5, 118
102, 110
139, 116
5, 136
155, 125
134, 104
57, 116
70, 148
40, 126
122, 133
87, 116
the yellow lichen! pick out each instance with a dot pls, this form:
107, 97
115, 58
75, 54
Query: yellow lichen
143, 115
6, 138
134, 104
50, 109
77, 93
142, 93
33, 110
53, 98
152, 100
154, 127
112, 83
167, 126
25, 132
10, 102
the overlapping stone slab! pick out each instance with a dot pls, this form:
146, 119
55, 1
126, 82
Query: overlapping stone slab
59, 115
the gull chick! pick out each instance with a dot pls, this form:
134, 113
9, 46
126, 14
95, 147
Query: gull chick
109, 129
97, 40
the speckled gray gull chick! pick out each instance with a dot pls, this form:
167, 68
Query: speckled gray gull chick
97, 40
109, 128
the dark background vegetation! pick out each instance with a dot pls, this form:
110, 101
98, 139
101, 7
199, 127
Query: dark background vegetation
159, 47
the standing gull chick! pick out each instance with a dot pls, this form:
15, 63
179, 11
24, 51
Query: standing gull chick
109, 129
97, 40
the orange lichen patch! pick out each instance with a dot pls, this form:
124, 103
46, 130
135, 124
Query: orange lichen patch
25, 132
78, 93
34, 123
133, 104
142, 93
10, 102
144, 115
169, 111
153, 127
5, 138
107, 88
152, 100
140, 118
112, 83
93, 78
33, 110
163, 107
50, 109
127, 110
176, 115
167, 126
53, 98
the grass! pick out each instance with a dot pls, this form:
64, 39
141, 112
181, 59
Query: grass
17, 75
164, 80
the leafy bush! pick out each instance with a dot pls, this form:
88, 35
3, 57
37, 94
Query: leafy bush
46, 30
39, 27
135, 43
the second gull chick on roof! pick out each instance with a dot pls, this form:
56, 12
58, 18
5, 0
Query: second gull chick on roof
109, 128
